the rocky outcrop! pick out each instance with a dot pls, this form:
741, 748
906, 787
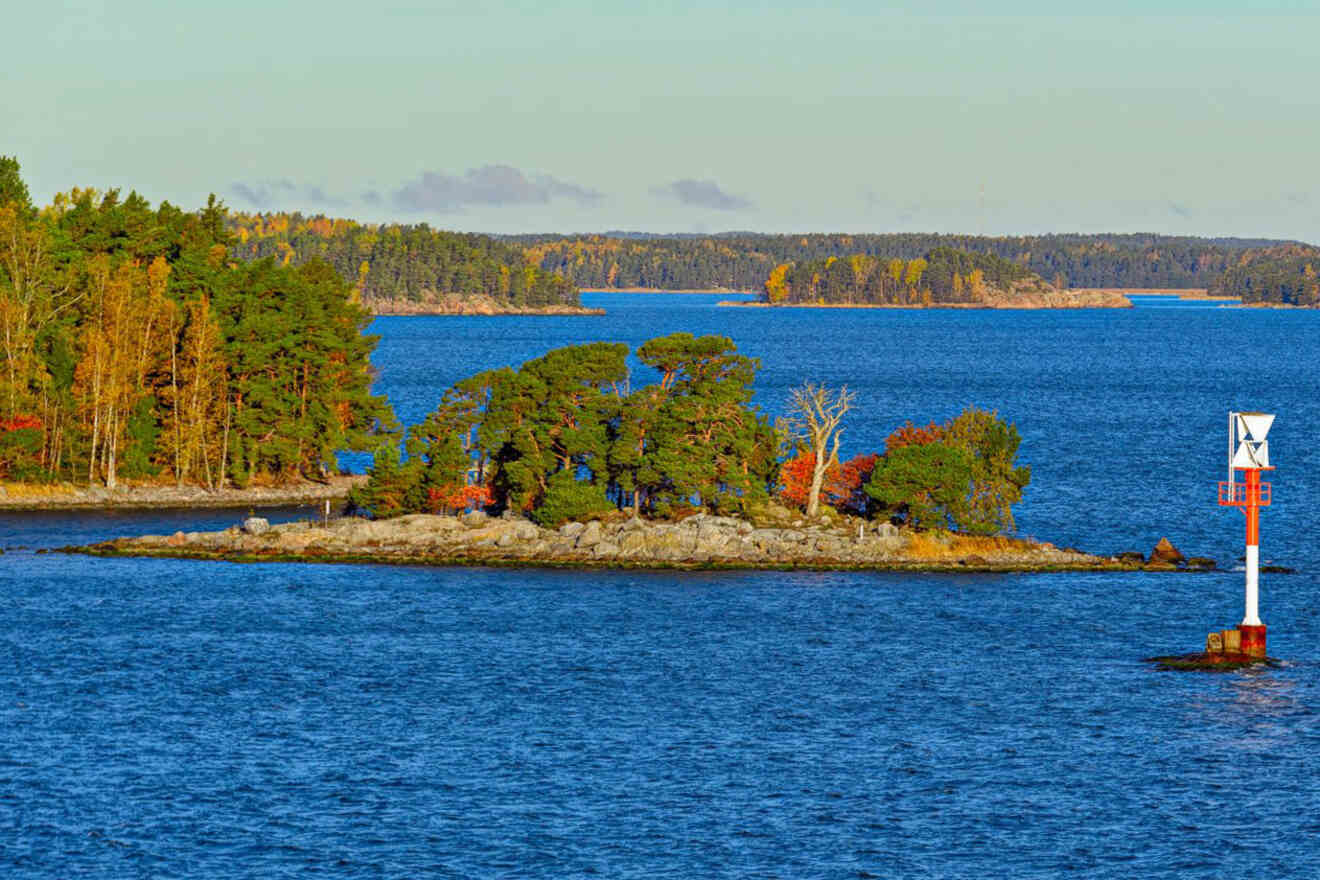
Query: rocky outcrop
474, 304
697, 541
1164, 553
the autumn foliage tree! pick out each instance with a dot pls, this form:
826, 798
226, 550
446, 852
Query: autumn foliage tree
841, 489
143, 351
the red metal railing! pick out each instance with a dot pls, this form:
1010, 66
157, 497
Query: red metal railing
1237, 495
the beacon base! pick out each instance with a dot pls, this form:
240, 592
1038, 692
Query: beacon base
1253, 640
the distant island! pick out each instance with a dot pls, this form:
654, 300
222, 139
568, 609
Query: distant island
1287, 275
943, 277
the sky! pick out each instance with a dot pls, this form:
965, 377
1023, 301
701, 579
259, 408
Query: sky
1013, 117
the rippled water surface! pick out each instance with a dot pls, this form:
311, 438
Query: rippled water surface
185, 719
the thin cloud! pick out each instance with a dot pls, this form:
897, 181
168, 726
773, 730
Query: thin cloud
282, 193
497, 185
702, 194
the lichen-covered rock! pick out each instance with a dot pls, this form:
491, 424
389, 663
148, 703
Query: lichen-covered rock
590, 535
256, 525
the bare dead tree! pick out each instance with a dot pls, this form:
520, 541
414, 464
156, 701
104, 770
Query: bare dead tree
815, 417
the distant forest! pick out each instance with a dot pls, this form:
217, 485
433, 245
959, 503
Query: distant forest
743, 260
943, 275
398, 262
1286, 275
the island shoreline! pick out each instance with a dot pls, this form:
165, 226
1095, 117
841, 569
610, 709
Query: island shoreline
33, 497
697, 543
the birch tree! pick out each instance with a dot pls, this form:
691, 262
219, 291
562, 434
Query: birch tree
815, 420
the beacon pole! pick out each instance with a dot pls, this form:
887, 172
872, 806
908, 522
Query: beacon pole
1249, 453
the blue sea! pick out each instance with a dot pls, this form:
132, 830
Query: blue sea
191, 719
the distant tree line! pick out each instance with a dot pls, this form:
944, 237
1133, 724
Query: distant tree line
943, 275
566, 437
743, 260
136, 348
401, 262
1288, 275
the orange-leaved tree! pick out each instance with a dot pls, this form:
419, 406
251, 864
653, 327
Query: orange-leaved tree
458, 498
912, 435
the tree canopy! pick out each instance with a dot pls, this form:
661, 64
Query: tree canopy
392, 262
565, 434
943, 275
1286, 275
136, 347
744, 260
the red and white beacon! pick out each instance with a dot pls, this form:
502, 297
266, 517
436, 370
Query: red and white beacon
1249, 453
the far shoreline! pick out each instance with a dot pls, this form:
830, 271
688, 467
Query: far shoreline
712, 290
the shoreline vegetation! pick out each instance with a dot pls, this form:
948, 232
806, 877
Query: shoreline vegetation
1066, 299
138, 351
707, 290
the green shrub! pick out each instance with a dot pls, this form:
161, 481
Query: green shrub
567, 499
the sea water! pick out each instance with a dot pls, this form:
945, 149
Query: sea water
165, 718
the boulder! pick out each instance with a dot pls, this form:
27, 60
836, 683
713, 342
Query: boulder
589, 536
1166, 554
256, 525
572, 529
475, 518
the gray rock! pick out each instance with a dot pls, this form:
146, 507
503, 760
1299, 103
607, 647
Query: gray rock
590, 535
572, 529
605, 549
633, 542
526, 531
475, 518
256, 525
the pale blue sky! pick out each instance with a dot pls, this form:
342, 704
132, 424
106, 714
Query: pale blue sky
1166, 116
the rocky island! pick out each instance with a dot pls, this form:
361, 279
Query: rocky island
700, 541
942, 278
